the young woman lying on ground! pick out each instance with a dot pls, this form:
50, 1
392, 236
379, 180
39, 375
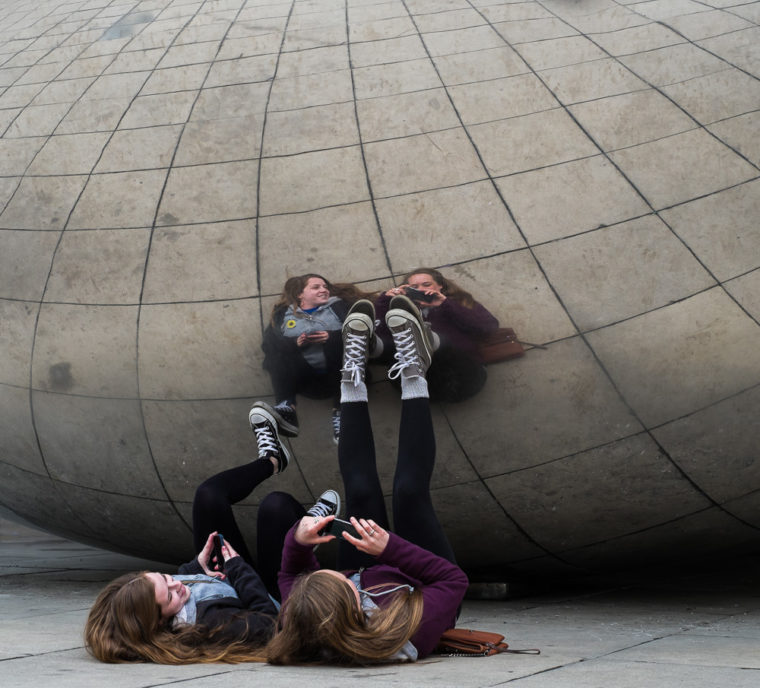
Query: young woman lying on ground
202, 614
396, 592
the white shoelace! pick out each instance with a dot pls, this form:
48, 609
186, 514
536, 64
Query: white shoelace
406, 353
355, 350
266, 441
320, 510
336, 423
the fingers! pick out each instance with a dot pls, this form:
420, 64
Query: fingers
228, 551
372, 537
308, 531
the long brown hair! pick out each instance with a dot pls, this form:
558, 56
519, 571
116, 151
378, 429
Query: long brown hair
321, 623
449, 288
125, 625
294, 286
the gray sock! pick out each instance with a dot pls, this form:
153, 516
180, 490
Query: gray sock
414, 387
350, 392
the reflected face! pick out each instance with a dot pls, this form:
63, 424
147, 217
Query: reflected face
340, 576
314, 294
171, 594
424, 282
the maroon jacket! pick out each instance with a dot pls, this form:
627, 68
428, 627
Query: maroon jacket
458, 327
443, 584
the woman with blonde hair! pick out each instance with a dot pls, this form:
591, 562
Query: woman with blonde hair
457, 322
303, 348
398, 592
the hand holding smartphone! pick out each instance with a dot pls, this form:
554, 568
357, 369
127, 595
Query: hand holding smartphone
217, 552
418, 295
337, 526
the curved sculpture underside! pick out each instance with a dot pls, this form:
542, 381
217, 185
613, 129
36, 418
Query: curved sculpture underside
589, 170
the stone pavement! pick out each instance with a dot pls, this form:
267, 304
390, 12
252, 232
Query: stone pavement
700, 630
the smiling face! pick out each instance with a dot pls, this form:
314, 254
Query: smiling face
171, 594
424, 282
314, 294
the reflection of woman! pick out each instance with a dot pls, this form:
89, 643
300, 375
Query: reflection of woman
397, 607
202, 615
302, 345
458, 323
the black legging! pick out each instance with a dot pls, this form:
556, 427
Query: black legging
291, 374
413, 515
453, 375
278, 511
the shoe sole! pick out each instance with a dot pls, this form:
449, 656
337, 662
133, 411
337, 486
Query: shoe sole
265, 411
398, 318
404, 303
283, 427
367, 324
363, 307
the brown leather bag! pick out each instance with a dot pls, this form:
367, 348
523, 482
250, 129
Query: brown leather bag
465, 641
500, 345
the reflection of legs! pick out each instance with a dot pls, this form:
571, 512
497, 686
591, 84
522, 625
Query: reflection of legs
277, 514
212, 505
286, 373
413, 514
356, 457
453, 376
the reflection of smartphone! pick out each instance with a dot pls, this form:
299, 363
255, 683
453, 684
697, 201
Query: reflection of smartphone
417, 295
218, 542
337, 526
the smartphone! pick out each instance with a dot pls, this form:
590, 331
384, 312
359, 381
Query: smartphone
417, 295
337, 526
218, 542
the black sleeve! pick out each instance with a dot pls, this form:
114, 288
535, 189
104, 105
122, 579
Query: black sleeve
190, 568
249, 586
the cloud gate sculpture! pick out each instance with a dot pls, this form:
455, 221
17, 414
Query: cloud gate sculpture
589, 170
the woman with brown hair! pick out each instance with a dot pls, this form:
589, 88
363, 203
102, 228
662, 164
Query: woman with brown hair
303, 348
212, 610
399, 591
457, 323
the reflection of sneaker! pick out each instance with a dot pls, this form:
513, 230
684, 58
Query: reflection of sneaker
264, 426
336, 425
285, 415
328, 504
414, 348
358, 335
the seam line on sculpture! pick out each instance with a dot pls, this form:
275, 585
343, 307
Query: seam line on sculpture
599, 362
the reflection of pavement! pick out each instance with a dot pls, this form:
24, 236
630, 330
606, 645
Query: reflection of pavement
702, 631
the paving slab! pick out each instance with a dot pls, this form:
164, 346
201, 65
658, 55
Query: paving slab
696, 628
